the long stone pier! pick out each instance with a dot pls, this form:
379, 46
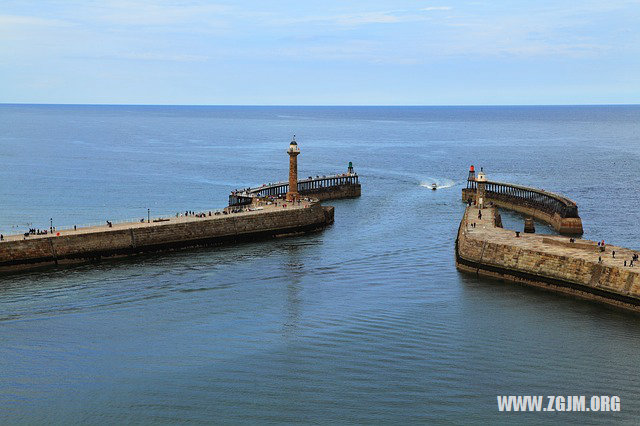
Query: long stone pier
252, 214
261, 220
557, 210
558, 263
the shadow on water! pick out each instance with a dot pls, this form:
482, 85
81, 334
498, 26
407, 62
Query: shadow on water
294, 271
154, 263
136, 279
536, 299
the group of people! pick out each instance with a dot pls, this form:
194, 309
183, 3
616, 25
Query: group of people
35, 231
602, 246
194, 214
634, 258
242, 192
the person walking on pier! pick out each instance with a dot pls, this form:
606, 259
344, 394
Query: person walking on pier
479, 214
613, 254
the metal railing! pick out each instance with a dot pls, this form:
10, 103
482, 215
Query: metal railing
307, 186
531, 197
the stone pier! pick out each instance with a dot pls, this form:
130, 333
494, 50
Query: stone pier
258, 221
557, 210
557, 263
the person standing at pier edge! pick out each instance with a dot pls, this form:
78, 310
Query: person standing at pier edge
293, 152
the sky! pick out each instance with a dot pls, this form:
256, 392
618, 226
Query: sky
330, 52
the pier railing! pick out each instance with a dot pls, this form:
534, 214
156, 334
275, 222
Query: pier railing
307, 186
531, 197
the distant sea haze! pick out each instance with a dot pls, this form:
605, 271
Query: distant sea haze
365, 322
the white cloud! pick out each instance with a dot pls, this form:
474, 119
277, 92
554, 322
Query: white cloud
154, 13
23, 21
150, 56
428, 9
356, 19
366, 18
556, 30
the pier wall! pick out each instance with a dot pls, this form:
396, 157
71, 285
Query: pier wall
564, 225
549, 262
334, 192
40, 251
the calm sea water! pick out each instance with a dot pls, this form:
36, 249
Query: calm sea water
366, 322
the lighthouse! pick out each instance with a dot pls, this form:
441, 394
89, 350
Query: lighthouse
293, 152
480, 194
472, 177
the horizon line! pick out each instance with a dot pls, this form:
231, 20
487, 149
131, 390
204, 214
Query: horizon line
316, 105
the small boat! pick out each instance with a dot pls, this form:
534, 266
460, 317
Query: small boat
434, 186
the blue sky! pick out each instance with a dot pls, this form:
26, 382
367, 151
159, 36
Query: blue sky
330, 52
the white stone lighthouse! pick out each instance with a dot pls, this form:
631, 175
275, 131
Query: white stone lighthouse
481, 180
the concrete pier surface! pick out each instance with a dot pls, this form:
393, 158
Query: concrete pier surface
263, 219
164, 220
483, 247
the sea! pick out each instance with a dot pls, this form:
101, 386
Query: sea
366, 322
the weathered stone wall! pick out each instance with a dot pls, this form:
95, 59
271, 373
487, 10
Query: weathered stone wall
334, 193
569, 226
80, 247
482, 255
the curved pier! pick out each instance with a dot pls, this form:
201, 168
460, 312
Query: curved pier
331, 187
557, 210
577, 267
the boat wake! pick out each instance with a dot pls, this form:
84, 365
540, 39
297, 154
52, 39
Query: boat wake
440, 183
